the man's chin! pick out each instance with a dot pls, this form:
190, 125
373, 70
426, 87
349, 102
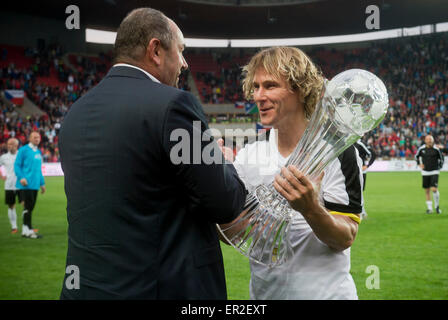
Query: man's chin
266, 122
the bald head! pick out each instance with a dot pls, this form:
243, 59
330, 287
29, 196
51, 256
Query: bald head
34, 138
12, 145
429, 141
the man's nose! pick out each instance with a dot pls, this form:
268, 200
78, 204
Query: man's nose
259, 94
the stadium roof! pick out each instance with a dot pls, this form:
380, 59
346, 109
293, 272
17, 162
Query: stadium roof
245, 19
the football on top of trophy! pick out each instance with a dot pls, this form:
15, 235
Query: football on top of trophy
360, 99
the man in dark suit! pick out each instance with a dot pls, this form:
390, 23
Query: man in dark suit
141, 224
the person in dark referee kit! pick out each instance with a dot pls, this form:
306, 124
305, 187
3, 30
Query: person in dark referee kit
140, 224
430, 159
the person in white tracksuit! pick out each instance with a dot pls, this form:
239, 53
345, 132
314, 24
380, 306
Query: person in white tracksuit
7, 160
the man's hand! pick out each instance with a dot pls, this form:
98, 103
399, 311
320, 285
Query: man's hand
2, 177
336, 231
23, 182
227, 152
298, 189
233, 228
42, 189
422, 166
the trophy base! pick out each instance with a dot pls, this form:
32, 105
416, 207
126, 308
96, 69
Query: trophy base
261, 231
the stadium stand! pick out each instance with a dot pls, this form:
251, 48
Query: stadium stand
48, 83
217, 75
415, 70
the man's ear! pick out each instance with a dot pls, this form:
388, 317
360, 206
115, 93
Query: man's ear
154, 51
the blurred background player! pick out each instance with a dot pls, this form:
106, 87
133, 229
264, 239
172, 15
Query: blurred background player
430, 159
367, 156
28, 169
7, 160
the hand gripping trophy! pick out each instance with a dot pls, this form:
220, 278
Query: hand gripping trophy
352, 103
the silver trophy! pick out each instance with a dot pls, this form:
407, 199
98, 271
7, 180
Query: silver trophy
353, 103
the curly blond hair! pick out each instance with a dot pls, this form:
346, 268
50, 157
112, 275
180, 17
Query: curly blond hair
291, 64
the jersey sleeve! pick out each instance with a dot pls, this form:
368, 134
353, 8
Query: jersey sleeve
342, 184
372, 157
42, 180
417, 155
208, 179
441, 159
18, 164
362, 150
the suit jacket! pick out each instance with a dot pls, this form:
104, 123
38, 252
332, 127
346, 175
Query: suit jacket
140, 226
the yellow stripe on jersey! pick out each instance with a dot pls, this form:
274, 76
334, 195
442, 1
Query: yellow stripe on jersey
352, 216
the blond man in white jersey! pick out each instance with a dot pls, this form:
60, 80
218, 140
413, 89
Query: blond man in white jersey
286, 86
7, 160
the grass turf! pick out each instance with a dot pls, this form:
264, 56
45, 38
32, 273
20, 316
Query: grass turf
406, 245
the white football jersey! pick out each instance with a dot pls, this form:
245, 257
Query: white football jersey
315, 271
7, 160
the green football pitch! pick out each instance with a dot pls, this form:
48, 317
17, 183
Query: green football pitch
407, 249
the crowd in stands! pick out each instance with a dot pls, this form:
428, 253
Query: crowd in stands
223, 89
414, 69
12, 125
222, 84
227, 118
51, 85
